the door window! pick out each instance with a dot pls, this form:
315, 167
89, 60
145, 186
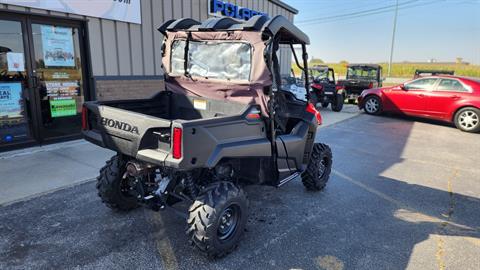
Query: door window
58, 68
451, 85
14, 124
421, 84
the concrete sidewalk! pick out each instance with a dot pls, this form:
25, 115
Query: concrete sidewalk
34, 171
37, 170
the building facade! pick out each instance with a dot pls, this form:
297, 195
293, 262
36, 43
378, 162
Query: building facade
56, 54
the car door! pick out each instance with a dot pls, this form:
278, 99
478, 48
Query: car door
410, 98
444, 97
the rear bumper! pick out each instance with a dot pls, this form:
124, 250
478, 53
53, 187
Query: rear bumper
360, 101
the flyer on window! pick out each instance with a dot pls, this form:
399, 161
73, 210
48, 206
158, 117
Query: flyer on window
10, 100
63, 107
57, 43
15, 62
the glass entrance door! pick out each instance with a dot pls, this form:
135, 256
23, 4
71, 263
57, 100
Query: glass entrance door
15, 106
58, 72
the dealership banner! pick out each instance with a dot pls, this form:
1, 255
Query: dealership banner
118, 10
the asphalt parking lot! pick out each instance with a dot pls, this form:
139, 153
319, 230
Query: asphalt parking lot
403, 194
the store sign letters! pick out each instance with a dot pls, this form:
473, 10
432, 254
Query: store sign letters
119, 10
232, 10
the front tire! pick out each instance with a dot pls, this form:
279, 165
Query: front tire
372, 105
468, 119
325, 104
217, 219
316, 176
111, 185
337, 106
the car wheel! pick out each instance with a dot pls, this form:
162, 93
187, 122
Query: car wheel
468, 119
325, 104
372, 105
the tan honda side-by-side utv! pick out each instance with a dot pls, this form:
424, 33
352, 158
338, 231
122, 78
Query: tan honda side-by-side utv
223, 122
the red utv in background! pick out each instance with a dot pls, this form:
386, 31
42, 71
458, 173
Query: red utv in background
324, 89
447, 98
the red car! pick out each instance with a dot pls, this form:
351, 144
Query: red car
448, 98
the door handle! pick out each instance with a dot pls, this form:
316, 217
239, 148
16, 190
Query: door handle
421, 95
455, 97
33, 81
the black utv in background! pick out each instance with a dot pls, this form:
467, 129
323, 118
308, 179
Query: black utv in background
324, 88
223, 122
360, 77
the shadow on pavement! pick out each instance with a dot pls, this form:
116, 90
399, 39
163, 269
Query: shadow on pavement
379, 211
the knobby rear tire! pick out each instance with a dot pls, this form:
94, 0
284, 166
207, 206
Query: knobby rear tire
109, 185
315, 179
205, 218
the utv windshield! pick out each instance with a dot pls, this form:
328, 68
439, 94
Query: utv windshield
362, 72
319, 74
212, 59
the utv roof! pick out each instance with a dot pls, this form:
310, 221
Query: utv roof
277, 26
320, 67
433, 71
365, 65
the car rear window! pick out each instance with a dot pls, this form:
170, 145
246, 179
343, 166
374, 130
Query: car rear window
451, 85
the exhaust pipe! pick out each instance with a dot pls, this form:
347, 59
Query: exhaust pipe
138, 168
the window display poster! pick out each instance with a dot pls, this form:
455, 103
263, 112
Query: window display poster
10, 100
57, 43
15, 62
63, 107
62, 88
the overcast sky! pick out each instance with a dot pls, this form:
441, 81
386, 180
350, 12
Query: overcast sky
361, 30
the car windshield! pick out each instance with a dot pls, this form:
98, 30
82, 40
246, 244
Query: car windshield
318, 74
213, 59
362, 72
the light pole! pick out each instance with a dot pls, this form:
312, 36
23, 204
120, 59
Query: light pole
393, 39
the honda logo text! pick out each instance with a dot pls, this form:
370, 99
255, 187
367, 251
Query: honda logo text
118, 125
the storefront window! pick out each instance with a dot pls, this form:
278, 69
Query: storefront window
13, 118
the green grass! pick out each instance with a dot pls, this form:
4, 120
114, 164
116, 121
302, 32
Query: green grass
407, 70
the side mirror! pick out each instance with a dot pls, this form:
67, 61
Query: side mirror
402, 86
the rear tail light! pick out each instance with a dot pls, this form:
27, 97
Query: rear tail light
177, 143
370, 85
311, 109
254, 114
84, 118
317, 86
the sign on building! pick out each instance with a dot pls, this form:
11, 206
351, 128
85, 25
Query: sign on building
118, 10
217, 7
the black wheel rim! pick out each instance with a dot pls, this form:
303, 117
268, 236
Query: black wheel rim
322, 167
126, 185
228, 222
